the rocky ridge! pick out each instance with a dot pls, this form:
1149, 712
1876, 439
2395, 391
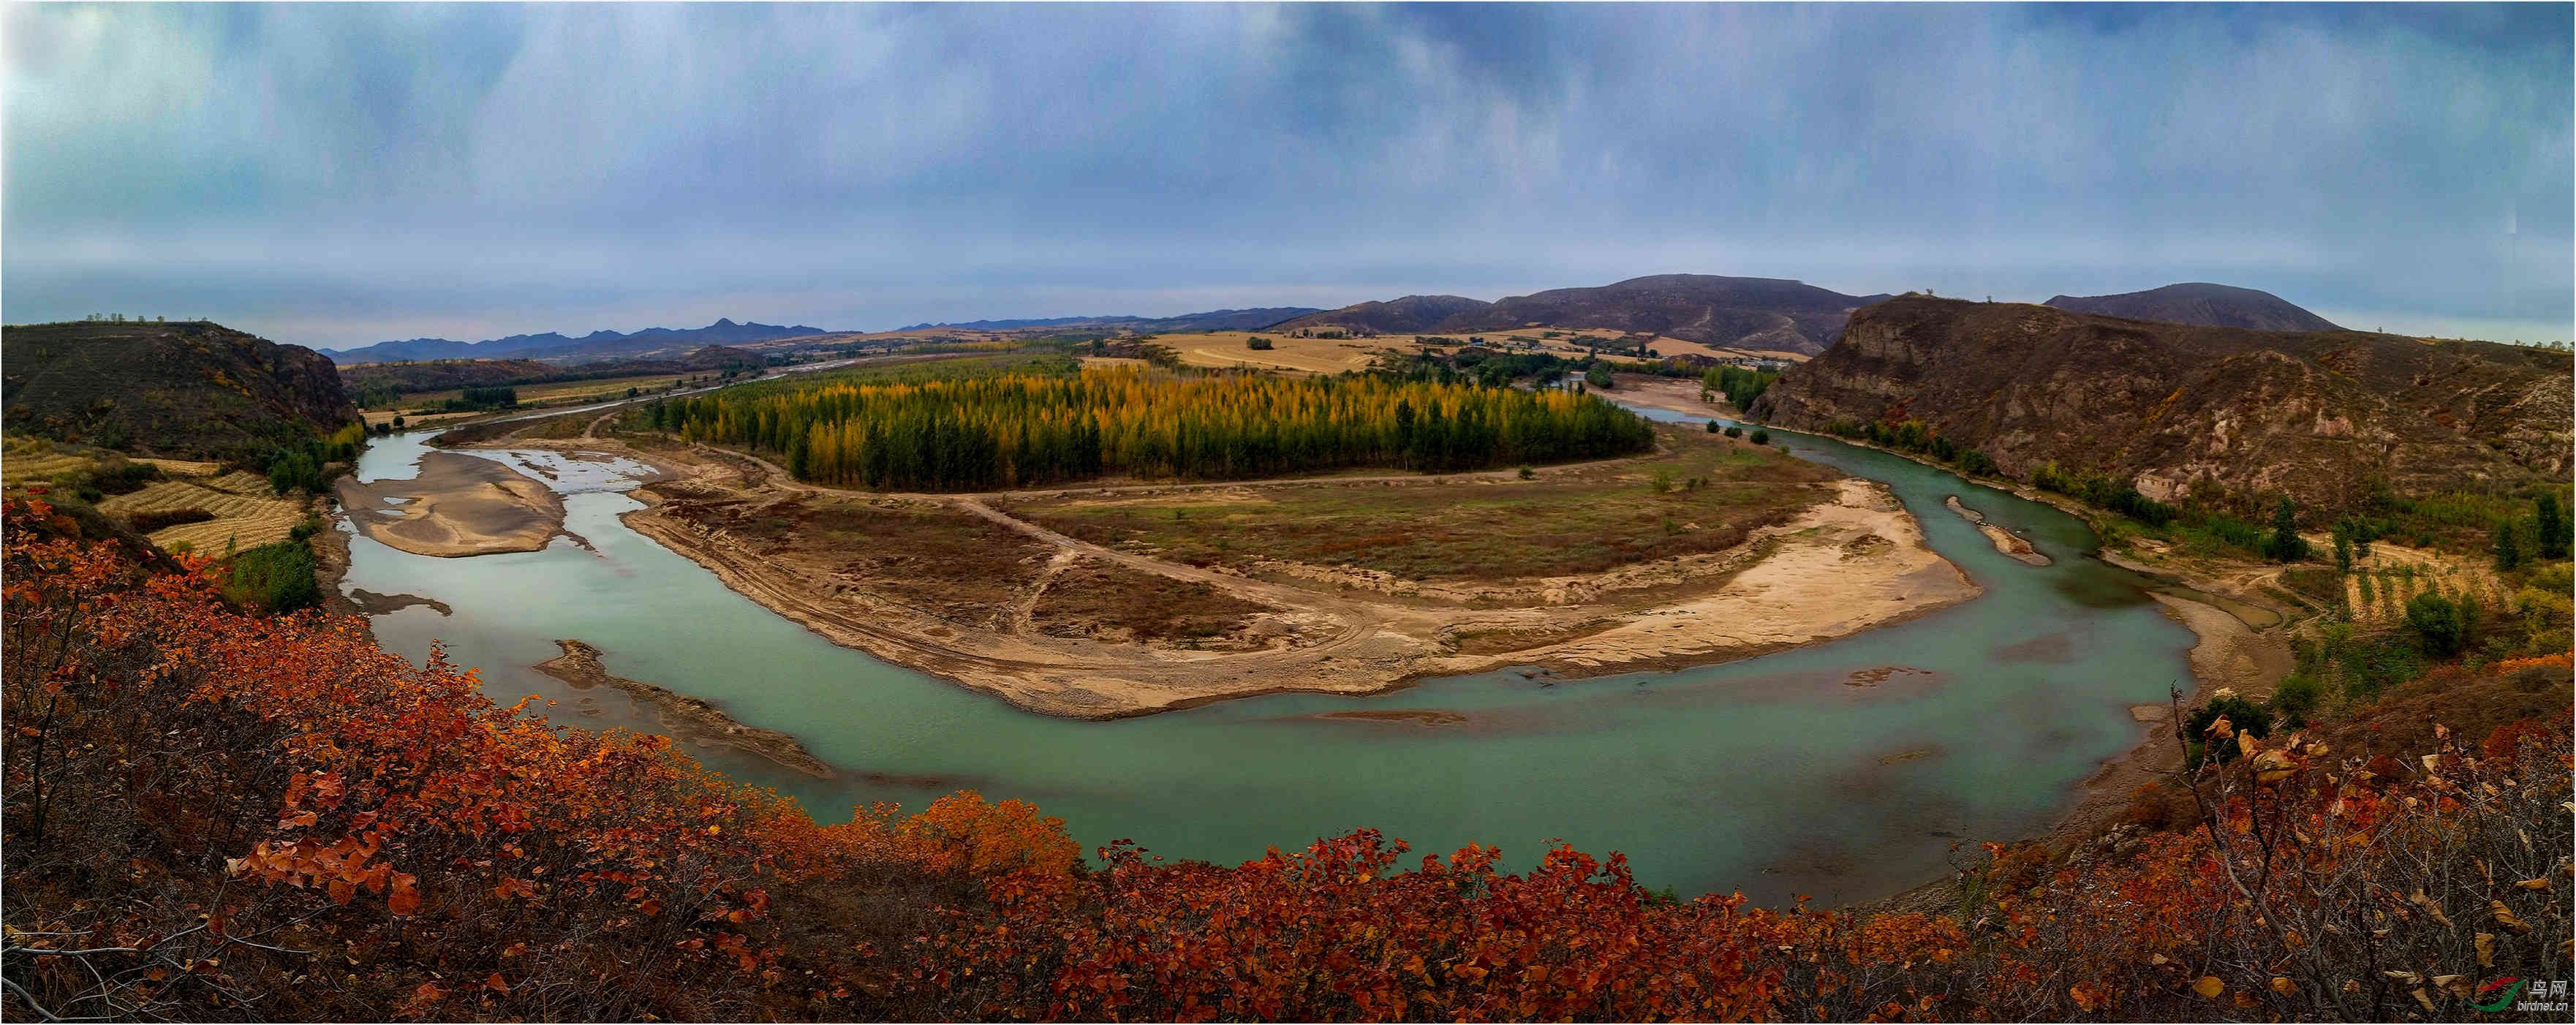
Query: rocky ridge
2325, 417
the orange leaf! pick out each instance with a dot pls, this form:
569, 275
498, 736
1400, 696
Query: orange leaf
2209, 987
423, 997
403, 898
2087, 996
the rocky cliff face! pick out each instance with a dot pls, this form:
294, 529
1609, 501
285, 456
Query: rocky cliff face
189, 389
2321, 416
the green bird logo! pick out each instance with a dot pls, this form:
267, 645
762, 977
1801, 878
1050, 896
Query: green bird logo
2511, 987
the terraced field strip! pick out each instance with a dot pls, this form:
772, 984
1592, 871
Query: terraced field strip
242, 482
183, 468
248, 521
415, 418
26, 468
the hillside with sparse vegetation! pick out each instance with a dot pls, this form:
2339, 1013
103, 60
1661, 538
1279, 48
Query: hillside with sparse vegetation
191, 390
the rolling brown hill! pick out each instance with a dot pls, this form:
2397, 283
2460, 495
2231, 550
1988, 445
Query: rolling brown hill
193, 389
2323, 416
1752, 313
1413, 314
2204, 304
443, 374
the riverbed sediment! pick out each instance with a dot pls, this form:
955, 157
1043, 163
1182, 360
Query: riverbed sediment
1855, 562
457, 506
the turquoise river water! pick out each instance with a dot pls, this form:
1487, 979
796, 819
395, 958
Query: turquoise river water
1771, 775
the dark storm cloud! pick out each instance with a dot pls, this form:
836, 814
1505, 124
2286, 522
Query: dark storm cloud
342, 174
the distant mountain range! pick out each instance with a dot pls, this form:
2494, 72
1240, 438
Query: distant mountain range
2201, 303
1752, 313
1413, 314
1749, 313
408, 376
1212, 320
556, 346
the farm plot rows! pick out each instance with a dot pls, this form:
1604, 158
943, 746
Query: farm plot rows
243, 517
25, 468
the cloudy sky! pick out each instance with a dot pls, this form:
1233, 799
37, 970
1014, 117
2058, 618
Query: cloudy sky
337, 175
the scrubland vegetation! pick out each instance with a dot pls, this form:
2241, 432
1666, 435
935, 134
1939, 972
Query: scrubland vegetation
1740, 385
1917, 437
212, 813
313, 463
1704, 495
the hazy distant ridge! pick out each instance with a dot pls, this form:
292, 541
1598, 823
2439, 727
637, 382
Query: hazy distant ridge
552, 344
1758, 313
2201, 303
1212, 320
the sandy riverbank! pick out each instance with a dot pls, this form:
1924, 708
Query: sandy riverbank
459, 505
1853, 562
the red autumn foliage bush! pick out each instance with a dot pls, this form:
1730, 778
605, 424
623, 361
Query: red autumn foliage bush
216, 815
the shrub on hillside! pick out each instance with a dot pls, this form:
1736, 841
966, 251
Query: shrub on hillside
2438, 622
146, 521
2242, 716
2285, 544
2549, 527
2294, 699
273, 577
122, 477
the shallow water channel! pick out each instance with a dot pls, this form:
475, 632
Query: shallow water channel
1773, 775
